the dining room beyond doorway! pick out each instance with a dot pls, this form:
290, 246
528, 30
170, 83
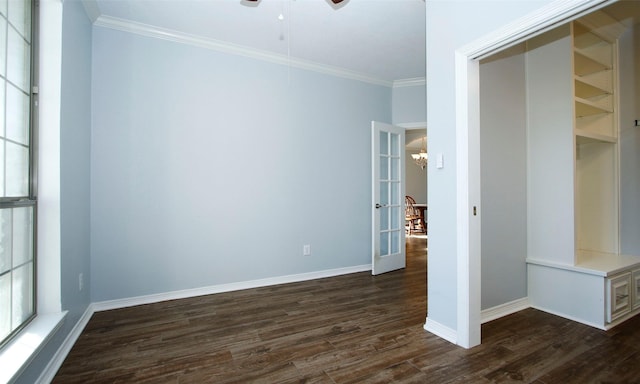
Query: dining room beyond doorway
416, 176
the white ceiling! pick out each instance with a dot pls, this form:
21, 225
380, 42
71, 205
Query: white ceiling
380, 39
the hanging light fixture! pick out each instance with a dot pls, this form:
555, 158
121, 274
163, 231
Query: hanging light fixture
421, 158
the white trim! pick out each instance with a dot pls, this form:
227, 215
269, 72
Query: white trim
92, 9
416, 125
467, 97
464, 254
19, 353
564, 316
226, 47
186, 293
48, 223
468, 235
441, 331
56, 361
415, 82
535, 23
505, 309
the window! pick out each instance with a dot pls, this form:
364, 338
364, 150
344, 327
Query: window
17, 171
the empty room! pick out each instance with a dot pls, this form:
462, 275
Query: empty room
216, 191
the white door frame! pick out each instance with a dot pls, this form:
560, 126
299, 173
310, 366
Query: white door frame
467, 146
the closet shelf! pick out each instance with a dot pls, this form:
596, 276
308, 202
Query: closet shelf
583, 136
594, 85
585, 64
585, 107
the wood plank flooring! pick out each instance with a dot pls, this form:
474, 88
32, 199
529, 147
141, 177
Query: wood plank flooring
347, 329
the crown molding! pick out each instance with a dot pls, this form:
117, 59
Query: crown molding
92, 9
414, 82
226, 47
533, 24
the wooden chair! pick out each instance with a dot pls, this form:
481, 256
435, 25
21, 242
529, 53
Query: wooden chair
411, 216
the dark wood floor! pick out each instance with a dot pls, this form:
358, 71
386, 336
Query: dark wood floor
346, 329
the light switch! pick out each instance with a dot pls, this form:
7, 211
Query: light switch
439, 161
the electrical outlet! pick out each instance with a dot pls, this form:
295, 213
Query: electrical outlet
80, 281
306, 250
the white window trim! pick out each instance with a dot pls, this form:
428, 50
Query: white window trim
17, 354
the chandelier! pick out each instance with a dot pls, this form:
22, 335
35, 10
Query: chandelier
421, 158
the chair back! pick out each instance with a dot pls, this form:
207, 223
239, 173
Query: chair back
409, 209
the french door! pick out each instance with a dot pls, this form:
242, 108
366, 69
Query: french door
387, 148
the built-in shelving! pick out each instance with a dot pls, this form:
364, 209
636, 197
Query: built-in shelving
586, 279
595, 130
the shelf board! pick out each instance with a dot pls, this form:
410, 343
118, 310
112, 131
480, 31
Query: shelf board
586, 90
586, 107
583, 38
593, 263
601, 81
601, 25
607, 263
585, 64
583, 136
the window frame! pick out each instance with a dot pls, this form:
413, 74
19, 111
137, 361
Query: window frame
32, 179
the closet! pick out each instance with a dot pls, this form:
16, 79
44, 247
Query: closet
573, 176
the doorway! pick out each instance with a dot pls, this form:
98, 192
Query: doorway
416, 174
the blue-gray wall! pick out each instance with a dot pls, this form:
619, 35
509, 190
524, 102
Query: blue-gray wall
409, 104
503, 175
209, 168
75, 157
75, 144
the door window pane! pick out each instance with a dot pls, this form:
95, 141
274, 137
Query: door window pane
395, 168
395, 242
395, 218
384, 193
384, 143
384, 218
395, 193
384, 168
395, 144
384, 243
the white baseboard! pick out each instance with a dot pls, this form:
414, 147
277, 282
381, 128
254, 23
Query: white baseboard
504, 309
449, 334
186, 293
54, 364
572, 318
